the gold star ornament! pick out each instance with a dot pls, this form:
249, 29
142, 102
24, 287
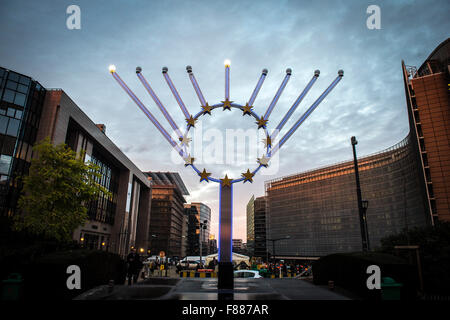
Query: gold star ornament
247, 109
191, 121
227, 104
226, 182
207, 109
204, 175
248, 176
261, 123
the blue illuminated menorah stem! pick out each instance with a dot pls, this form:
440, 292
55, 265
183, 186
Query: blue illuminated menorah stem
278, 94
175, 93
225, 223
295, 105
258, 87
159, 104
147, 113
307, 113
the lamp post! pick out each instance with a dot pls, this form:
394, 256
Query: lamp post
365, 205
273, 243
362, 205
202, 226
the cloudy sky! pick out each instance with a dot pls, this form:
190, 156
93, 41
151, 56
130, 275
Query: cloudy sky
368, 103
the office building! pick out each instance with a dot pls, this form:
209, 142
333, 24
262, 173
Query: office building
168, 215
251, 225
193, 233
204, 215
260, 245
237, 245
31, 113
427, 91
256, 227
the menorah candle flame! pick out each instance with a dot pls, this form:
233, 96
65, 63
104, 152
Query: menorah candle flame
226, 183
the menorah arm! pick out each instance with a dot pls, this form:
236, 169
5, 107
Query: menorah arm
295, 105
175, 93
195, 85
278, 94
158, 103
307, 113
148, 113
258, 87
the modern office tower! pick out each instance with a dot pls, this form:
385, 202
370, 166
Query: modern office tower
205, 215
251, 225
193, 233
260, 245
21, 104
256, 227
167, 218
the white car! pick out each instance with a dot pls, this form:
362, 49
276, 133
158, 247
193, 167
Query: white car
247, 274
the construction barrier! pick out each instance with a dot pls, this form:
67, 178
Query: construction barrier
194, 274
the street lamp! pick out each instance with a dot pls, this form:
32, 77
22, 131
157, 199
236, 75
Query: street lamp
202, 226
273, 243
362, 205
365, 205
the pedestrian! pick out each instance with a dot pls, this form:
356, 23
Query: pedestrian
212, 264
134, 265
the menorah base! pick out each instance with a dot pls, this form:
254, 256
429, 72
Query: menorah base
226, 276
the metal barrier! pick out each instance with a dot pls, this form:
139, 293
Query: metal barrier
194, 274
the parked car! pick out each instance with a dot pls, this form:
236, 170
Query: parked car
189, 263
247, 274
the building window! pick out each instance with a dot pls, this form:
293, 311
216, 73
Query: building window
5, 162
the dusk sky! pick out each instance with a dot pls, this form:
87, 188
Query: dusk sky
368, 103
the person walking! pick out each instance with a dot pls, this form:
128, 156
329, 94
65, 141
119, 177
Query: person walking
134, 265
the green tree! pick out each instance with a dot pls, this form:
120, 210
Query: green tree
55, 193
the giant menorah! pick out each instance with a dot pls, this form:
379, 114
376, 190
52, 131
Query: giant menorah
272, 143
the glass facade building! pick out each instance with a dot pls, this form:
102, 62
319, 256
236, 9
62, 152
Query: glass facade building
318, 209
21, 103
